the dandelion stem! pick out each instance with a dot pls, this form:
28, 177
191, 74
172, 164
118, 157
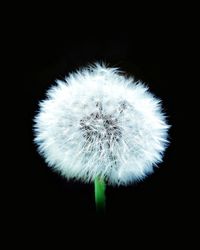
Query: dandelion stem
99, 189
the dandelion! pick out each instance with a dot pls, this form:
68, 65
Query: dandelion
101, 126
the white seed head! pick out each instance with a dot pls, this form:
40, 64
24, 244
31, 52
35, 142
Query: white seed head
99, 123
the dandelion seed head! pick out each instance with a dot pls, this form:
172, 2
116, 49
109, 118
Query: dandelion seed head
99, 123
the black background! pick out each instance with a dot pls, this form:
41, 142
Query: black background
42, 197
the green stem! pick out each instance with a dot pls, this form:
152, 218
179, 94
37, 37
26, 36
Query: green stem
99, 189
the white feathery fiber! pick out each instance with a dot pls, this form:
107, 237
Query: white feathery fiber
99, 123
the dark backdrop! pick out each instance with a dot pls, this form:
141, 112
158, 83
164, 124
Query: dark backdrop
42, 196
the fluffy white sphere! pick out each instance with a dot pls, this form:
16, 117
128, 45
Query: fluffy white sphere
100, 123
